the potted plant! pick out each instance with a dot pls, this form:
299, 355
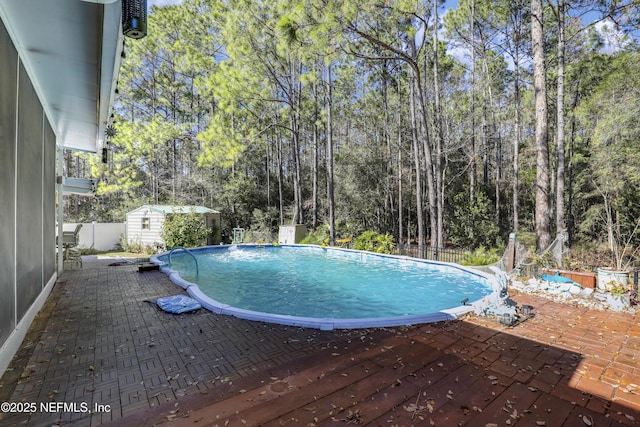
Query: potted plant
623, 255
619, 296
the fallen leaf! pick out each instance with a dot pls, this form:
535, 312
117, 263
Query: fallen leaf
412, 407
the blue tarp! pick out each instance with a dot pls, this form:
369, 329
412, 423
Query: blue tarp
557, 278
178, 304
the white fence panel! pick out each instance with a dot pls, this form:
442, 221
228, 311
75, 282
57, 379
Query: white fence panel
98, 235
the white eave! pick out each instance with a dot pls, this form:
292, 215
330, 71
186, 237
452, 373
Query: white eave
71, 50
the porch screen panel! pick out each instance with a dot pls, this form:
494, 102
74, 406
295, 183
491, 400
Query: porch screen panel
29, 200
49, 203
8, 66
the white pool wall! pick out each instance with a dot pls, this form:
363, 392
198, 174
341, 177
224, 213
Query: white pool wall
495, 281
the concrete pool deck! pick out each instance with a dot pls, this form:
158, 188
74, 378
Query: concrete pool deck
100, 344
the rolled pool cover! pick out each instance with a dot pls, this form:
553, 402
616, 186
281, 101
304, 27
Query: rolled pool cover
178, 304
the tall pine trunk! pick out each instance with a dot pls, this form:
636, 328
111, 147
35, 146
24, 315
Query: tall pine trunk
561, 226
416, 157
316, 159
295, 90
472, 168
438, 170
330, 184
543, 232
516, 138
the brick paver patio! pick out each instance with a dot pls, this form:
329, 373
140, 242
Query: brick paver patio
103, 353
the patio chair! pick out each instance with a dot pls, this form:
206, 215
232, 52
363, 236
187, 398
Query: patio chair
70, 240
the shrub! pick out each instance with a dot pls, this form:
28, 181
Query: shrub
482, 257
316, 237
188, 230
373, 241
473, 224
134, 248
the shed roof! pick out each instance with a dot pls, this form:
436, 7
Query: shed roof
170, 209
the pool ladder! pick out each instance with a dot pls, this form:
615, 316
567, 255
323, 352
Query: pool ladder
190, 253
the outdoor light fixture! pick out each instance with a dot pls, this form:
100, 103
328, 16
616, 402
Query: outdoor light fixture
134, 18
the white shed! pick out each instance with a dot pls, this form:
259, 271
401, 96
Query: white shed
144, 224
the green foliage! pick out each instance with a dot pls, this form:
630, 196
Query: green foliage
88, 251
482, 256
612, 175
317, 237
473, 224
225, 105
132, 247
187, 229
314, 238
373, 241
264, 226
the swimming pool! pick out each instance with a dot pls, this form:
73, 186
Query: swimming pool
325, 288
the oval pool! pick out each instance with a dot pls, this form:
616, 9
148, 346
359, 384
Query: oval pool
325, 288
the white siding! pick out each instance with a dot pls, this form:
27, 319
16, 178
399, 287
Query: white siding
155, 213
135, 233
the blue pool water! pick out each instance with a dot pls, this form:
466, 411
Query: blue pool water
309, 282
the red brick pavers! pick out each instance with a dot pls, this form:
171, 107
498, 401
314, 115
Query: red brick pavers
566, 366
